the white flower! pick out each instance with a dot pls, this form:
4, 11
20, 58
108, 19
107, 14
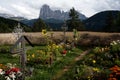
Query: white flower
19, 73
114, 42
2, 72
7, 78
118, 41
111, 44
12, 75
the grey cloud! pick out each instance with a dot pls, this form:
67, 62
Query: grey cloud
87, 7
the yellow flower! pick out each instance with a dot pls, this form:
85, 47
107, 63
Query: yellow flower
96, 69
89, 77
44, 31
94, 61
28, 59
57, 46
33, 55
54, 44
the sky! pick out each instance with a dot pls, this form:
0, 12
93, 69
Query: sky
30, 9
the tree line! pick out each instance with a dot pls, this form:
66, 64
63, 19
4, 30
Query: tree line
72, 23
112, 24
7, 25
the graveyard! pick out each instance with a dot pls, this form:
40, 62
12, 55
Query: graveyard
66, 58
60, 40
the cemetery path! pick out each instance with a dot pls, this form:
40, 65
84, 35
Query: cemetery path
68, 67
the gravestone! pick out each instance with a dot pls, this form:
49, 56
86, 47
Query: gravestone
22, 52
18, 31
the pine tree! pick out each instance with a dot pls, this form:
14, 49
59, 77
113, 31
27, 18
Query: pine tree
39, 25
74, 21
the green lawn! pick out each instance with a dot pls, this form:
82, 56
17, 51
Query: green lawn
43, 72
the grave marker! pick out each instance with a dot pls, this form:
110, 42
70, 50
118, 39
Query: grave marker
22, 52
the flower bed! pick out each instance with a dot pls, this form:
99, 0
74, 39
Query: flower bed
10, 72
102, 63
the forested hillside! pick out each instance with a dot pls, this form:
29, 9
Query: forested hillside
7, 25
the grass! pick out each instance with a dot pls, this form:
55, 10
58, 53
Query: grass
43, 72
6, 56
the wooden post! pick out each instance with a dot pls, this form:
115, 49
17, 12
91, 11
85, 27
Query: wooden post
64, 27
23, 57
22, 52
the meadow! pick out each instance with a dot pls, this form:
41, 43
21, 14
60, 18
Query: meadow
94, 56
37, 38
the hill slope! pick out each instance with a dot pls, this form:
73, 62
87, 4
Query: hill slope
7, 25
98, 21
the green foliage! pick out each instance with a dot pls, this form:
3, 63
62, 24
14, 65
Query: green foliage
117, 62
4, 49
39, 25
2, 77
115, 48
7, 25
74, 21
44, 71
73, 14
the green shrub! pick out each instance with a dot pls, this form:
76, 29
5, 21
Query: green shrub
4, 49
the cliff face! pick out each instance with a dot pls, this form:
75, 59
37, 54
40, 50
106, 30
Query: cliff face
47, 13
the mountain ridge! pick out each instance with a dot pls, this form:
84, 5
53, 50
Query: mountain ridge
47, 13
97, 22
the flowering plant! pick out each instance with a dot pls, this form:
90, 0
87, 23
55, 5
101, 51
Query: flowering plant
115, 73
64, 52
44, 31
115, 46
10, 72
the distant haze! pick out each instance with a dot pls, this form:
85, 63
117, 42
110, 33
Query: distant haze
30, 8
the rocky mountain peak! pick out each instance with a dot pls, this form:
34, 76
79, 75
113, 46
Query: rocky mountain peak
47, 13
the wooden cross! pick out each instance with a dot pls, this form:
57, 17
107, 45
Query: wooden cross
22, 52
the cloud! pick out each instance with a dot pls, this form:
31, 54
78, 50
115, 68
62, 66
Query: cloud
91, 7
31, 8
3, 10
25, 10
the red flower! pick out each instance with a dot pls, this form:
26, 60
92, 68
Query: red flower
12, 70
15, 69
64, 52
